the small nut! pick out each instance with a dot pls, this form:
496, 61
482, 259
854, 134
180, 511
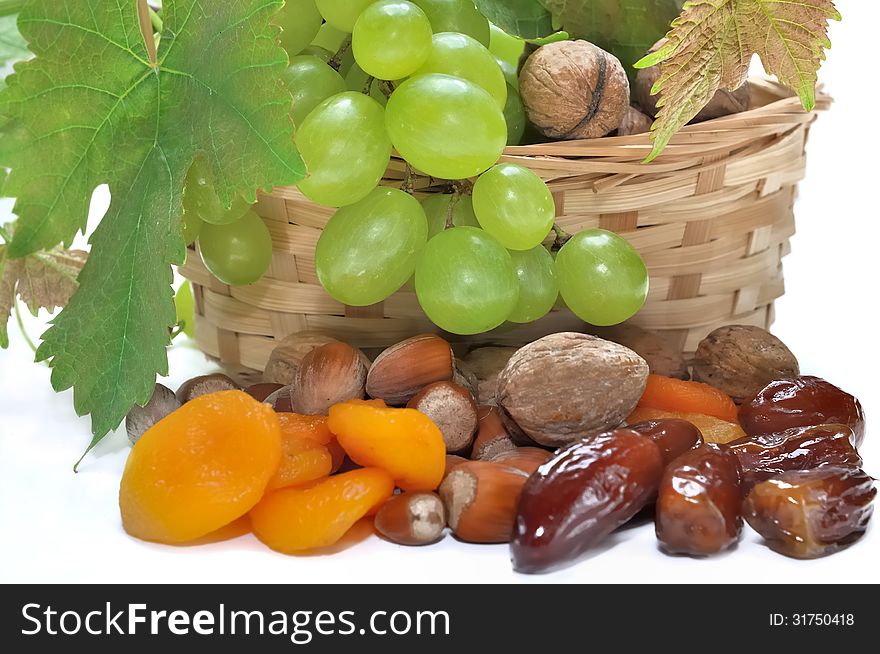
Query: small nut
662, 356
566, 387
741, 360
464, 376
204, 384
481, 500
453, 461
280, 400
492, 437
452, 408
329, 374
486, 363
287, 356
634, 122
141, 418
412, 519
261, 391
402, 370
527, 459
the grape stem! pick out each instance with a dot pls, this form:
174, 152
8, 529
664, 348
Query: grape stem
386, 87
450, 210
336, 60
409, 176
368, 86
562, 237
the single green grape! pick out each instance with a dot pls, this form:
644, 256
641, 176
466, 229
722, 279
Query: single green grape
368, 249
445, 126
602, 278
342, 14
509, 71
538, 287
238, 253
317, 51
514, 205
460, 16
299, 21
311, 81
437, 206
185, 308
192, 227
514, 116
356, 80
345, 147
201, 201
504, 46
391, 39
465, 281
461, 56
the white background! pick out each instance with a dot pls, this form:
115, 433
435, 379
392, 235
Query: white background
58, 526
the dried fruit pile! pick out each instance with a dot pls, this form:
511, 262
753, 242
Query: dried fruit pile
550, 448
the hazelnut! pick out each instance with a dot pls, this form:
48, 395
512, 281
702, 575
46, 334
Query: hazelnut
527, 459
574, 90
280, 400
285, 359
568, 386
402, 370
327, 375
204, 384
141, 418
452, 408
486, 363
465, 377
492, 437
412, 519
663, 357
261, 391
634, 122
453, 461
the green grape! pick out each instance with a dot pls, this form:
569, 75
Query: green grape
514, 205
185, 307
391, 39
445, 126
200, 200
238, 253
368, 249
504, 46
356, 80
330, 39
461, 56
192, 226
436, 208
317, 51
514, 116
311, 81
509, 71
299, 21
345, 147
465, 281
538, 287
460, 16
342, 14
602, 278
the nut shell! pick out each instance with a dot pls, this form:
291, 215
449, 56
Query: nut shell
328, 375
568, 386
287, 356
403, 369
412, 519
205, 384
663, 356
141, 418
452, 408
486, 363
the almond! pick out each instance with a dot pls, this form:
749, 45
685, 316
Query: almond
492, 437
412, 519
452, 408
527, 459
481, 500
328, 375
402, 370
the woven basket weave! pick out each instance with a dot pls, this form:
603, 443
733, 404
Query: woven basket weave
712, 217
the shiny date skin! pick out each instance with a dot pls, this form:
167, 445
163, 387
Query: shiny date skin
800, 448
806, 514
586, 491
801, 402
673, 436
699, 503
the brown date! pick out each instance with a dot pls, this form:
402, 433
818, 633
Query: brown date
673, 436
699, 502
806, 514
800, 448
586, 491
801, 402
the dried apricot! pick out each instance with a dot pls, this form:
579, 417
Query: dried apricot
670, 394
713, 429
302, 460
299, 425
294, 520
404, 442
199, 468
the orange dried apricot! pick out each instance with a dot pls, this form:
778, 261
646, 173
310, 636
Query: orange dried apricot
670, 394
403, 442
294, 520
337, 455
714, 430
299, 425
199, 468
302, 460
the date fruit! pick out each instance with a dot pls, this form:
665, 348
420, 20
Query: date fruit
675, 437
699, 502
806, 514
801, 402
586, 491
800, 448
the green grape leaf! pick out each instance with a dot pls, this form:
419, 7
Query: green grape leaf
711, 46
527, 19
95, 105
625, 28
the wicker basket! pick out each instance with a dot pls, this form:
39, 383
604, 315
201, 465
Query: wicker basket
712, 217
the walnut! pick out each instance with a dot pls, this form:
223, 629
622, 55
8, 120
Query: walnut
741, 360
574, 90
634, 122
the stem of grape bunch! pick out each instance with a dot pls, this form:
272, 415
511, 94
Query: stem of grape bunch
336, 60
409, 177
562, 237
368, 85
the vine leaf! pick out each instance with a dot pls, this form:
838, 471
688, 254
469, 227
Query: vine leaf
527, 19
92, 107
711, 45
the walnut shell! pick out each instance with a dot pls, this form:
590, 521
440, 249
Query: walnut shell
569, 386
663, 357
741, 360
486, 363
287, 356
574, 90
634, 122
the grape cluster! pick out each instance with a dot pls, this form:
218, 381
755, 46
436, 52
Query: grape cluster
435, 81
